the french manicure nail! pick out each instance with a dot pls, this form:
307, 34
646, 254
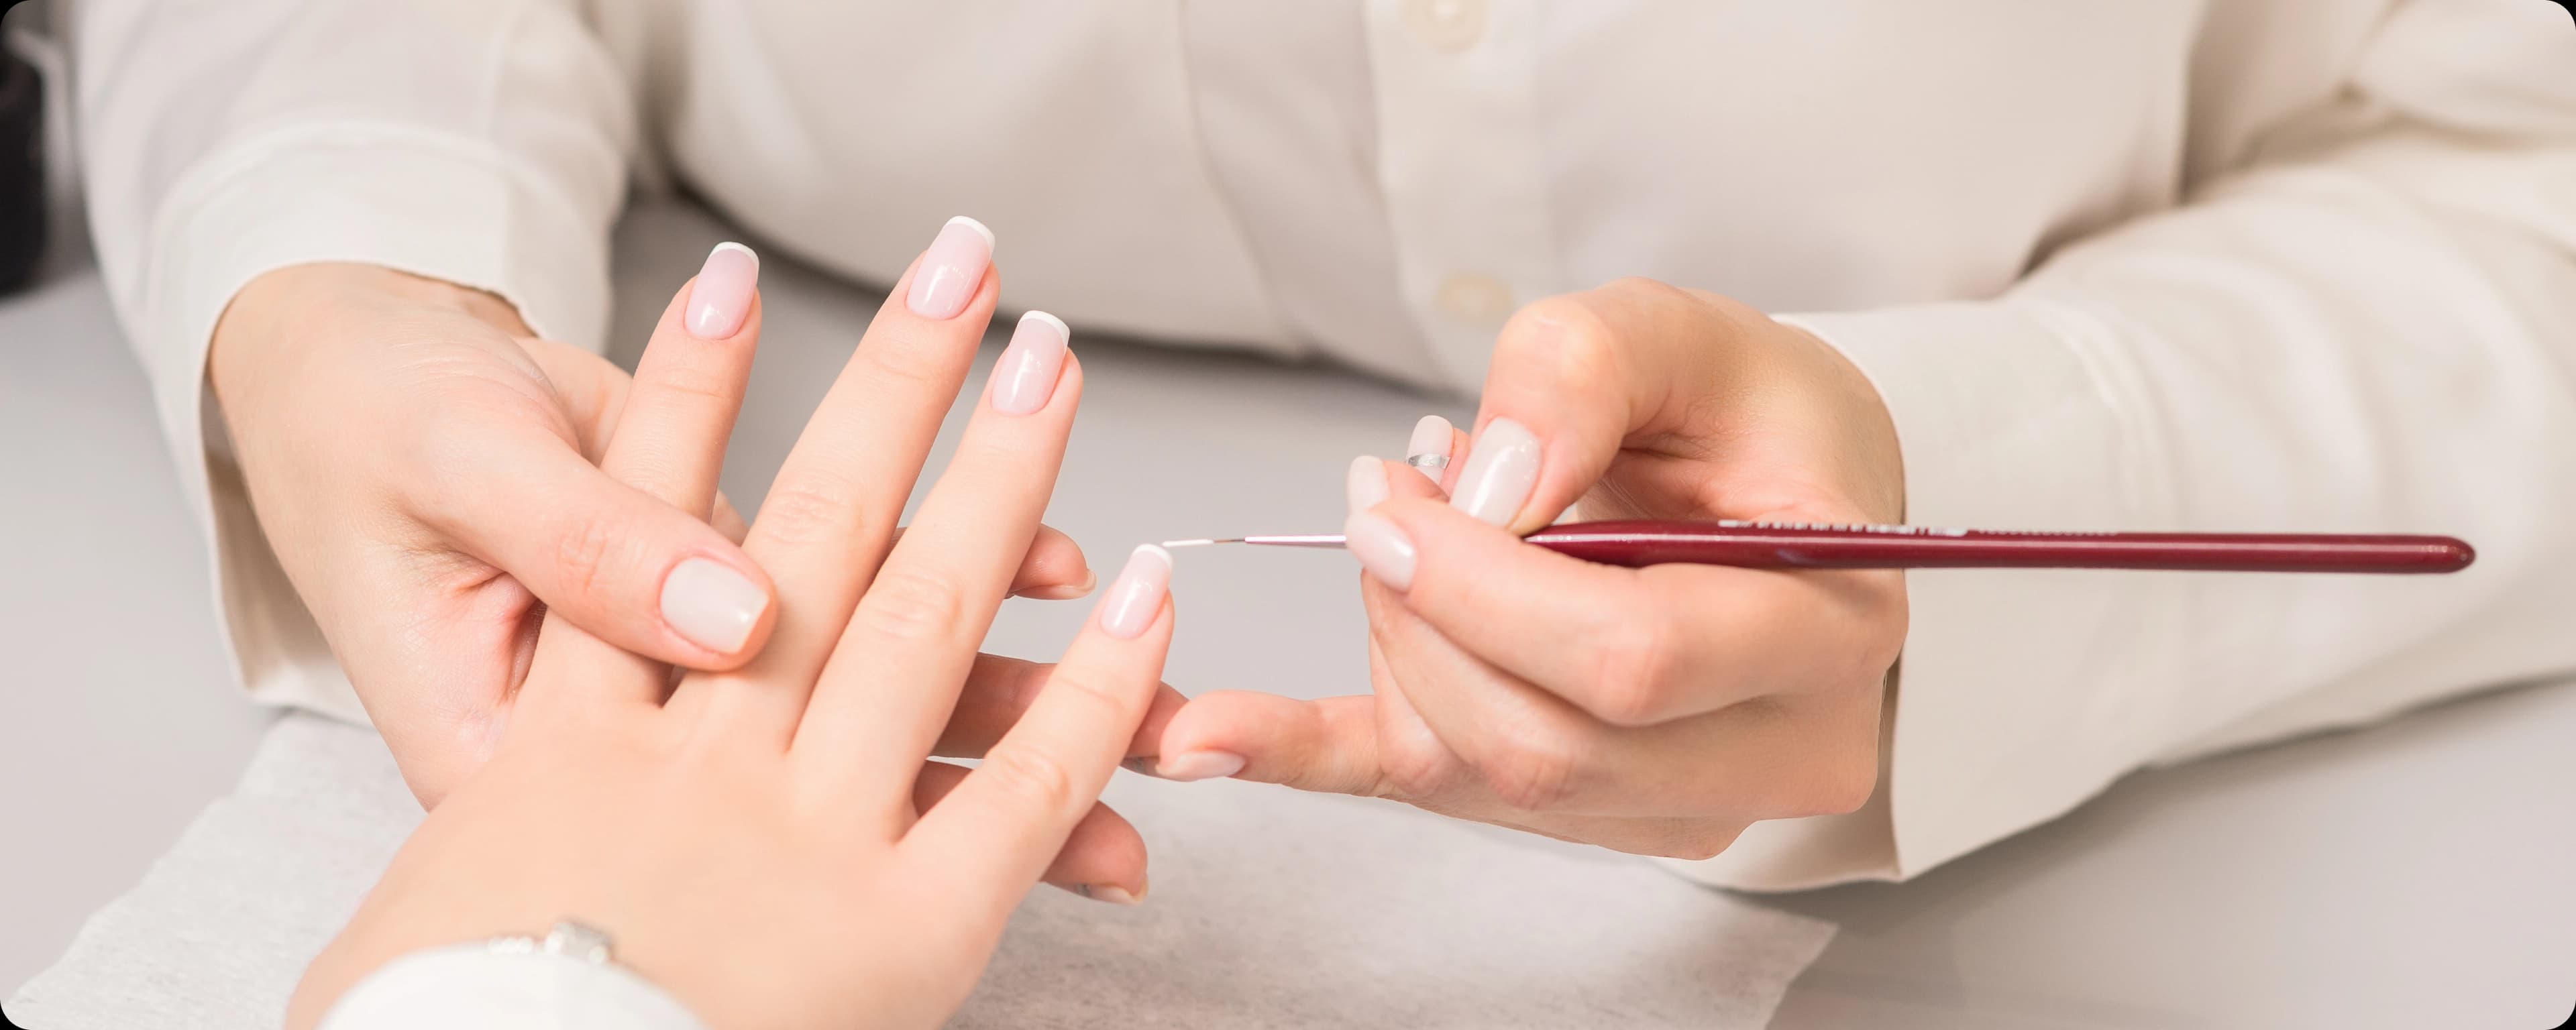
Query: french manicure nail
1501, 468
1366, 483
951, 269
711, 604
1428, 451
1381, 547
721, 297
1136, 596
1110, 893
1199, 765
1025, 376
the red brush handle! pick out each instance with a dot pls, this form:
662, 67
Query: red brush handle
1762, 545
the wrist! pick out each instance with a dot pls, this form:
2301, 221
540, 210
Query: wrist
261, 331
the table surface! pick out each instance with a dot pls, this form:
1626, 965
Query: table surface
2398, 876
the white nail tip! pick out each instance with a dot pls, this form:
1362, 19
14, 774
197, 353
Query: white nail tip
742, 250
979, 228
1062, 331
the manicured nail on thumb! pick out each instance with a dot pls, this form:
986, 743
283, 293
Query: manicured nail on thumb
712, 605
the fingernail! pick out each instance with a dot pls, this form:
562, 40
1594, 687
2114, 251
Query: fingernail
1136, 596
1199, 765
1381, 547
721, 296
951, 269
1025, 376
711, 604
1066, 591
1501, 468
1366, 484
1428, 451
1110, 893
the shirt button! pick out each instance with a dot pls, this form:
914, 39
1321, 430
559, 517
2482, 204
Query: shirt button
1448, 26
1480, 300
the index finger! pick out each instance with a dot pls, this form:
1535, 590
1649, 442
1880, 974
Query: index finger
993, 835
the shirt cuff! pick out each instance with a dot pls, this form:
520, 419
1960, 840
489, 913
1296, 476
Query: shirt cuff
2021, 693
416, 201
470, 985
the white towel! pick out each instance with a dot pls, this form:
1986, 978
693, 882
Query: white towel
1268, 908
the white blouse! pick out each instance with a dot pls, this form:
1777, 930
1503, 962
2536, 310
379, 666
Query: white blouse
2183, 264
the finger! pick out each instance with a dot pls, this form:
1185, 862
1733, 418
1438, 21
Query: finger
669, 442
728, 520
894, 676
1810, 754
1103, 858
998, 693
679, 412
1576, 378
1328, 745
1052, 570
994, 834
829, 514
1631, 647
1435, 449
601, 554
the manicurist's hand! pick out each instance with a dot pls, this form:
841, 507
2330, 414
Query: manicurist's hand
767, 844
427, 474
1655, 710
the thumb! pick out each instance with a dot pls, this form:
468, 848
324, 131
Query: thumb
1578, 378
630, 569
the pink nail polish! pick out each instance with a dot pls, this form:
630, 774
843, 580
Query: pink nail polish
721, 297
1381, 547
1025, 376
1501, 469
1366, 484
711, 604
1136, 597
1199, 765
951, 269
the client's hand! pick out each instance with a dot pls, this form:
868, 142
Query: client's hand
426, 474
1655, 710
767, 844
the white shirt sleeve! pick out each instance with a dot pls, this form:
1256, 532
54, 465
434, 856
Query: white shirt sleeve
481, 142
470, 985
2367, 324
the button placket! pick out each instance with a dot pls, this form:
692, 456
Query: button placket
1460, 163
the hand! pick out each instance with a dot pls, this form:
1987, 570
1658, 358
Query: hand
767, 845
426, 474
1656, 710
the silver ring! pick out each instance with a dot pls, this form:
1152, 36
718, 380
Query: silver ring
1428, 462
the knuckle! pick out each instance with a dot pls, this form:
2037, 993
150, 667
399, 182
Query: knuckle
1031, 777
1560, 334
685, 384
910, 364
583, 551
1840, 785
1416, 771
1088, 687
1632, 666
910, 604
1533, 771
809, 509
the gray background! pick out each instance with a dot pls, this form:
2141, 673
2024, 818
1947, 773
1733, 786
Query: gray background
2407, 875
